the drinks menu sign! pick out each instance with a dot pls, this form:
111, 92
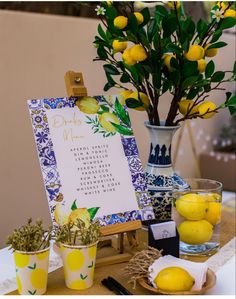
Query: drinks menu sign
89, 160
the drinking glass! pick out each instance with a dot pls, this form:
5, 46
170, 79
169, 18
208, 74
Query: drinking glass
197, 213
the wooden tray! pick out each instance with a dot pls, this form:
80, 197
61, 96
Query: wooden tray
210, 282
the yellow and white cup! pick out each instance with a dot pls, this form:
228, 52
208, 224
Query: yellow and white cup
32, 271
78, 264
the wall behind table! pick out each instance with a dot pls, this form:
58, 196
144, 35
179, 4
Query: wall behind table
35, 52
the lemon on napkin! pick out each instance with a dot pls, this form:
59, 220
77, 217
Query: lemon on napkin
196, 270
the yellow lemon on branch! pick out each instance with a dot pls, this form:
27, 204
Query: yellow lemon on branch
207, 109
211, 52
139, 17
195, 53
230, 13
201, 65
167, 59
119, 46
138, 53
120, 22
127, 58
185, 105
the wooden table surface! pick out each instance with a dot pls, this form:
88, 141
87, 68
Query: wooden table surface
56, 285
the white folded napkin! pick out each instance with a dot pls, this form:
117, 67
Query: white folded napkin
196, 270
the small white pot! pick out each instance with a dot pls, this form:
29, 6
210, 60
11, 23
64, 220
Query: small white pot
78, 264
32, 271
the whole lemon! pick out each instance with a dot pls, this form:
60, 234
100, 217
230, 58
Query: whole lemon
192, 206
167, 59
127, 58
230, 13
171, 4
201, 65
105, 120
207, 109
138, 53
185, 105
195, 232
213, 214
144, 99
120, 22
211, 52
139, 17
119, 46
88, 105
125, 94
174, 279
195, 53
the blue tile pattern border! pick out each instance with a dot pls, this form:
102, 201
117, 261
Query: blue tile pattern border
50, 173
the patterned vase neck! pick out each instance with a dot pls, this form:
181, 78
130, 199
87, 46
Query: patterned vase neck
160, 148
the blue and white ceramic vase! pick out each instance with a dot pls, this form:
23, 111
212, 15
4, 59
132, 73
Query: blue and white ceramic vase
159, 173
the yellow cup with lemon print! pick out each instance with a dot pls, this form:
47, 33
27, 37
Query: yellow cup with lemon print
78, 264
32, 271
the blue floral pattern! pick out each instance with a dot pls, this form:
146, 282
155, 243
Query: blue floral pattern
50, 173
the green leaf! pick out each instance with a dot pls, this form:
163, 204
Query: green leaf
104, 108
156, 80
32, 292
201, 28
122, 130
133, 24
188, 26
32, 267
169, 25
173, 48
111, 12
174, 63
190, 68
146, 16
189, 81
192, 93
92, 212
73, 206
218, 76
209, 69
217, 45
122, 113
217, 34
232, 110
152, 29
132, 103
124, 78
166, 85
160, 13
101, 32
175, 77
111, 69
91, 265
107, 86
227, 23
101, 52
231, 101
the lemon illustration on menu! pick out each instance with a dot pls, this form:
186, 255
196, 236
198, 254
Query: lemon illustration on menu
201, 212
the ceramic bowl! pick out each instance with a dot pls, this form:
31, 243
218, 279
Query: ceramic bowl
210, 282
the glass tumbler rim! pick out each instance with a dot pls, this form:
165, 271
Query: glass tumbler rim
217, 188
